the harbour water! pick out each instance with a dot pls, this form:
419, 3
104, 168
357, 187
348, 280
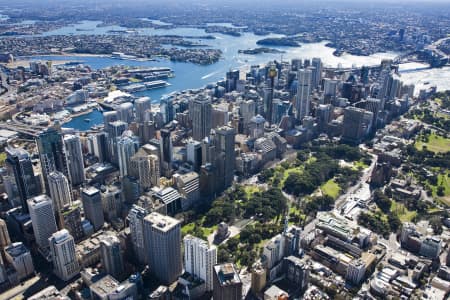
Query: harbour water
188, 75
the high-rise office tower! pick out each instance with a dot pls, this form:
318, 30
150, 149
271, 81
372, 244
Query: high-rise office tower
18, 162
74, 156
142, 106
125, 112
201, 117
247, 110
98, 145
226, 283
126, 148
51, 152
59, 193
112, 260
200, 259
323, 116
166, 152
71, 218
329, 90
135, 218
395, 88
303, 97
115, 131
146, 131
145, 167
162, 235
231, 80
116, 128
42, 218
357, 124
317, 73
208, 151
108, 117
188, 185
226, 158
112, 202
92, 205
62, 250
194, 154
4, 235
374, 105
167, 110
19, 257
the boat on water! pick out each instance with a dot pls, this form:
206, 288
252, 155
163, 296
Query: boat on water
87, 120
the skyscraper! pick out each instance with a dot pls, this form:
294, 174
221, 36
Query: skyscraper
42, 218
145, 167
126, 148
71, 218
317, 73
194, 153
115, 131
62, 250
374, 105
74, 156
226, 159
166, 152
226, 283
272, 74
142, 106
19, 163
4, 235
329, 90
135, 218
92, 205
247, 110
59, 193
51, 152
231, 80
59, 190
357, 124
201, 117
303, 97
167, 111
162, 236
199, 259
125, 112
112, 256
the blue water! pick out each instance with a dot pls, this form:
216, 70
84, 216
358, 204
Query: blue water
188, 75
96, 117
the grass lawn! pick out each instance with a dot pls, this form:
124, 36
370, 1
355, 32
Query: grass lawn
435, 143
402, 212
187, 228
331, 188
360, 165
443, 180
250, 190
299, 170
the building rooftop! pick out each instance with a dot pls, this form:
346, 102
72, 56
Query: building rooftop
161, 222
49, 293
227, 274
16, 249
90, 191
60, 236
38, 200
105, 286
